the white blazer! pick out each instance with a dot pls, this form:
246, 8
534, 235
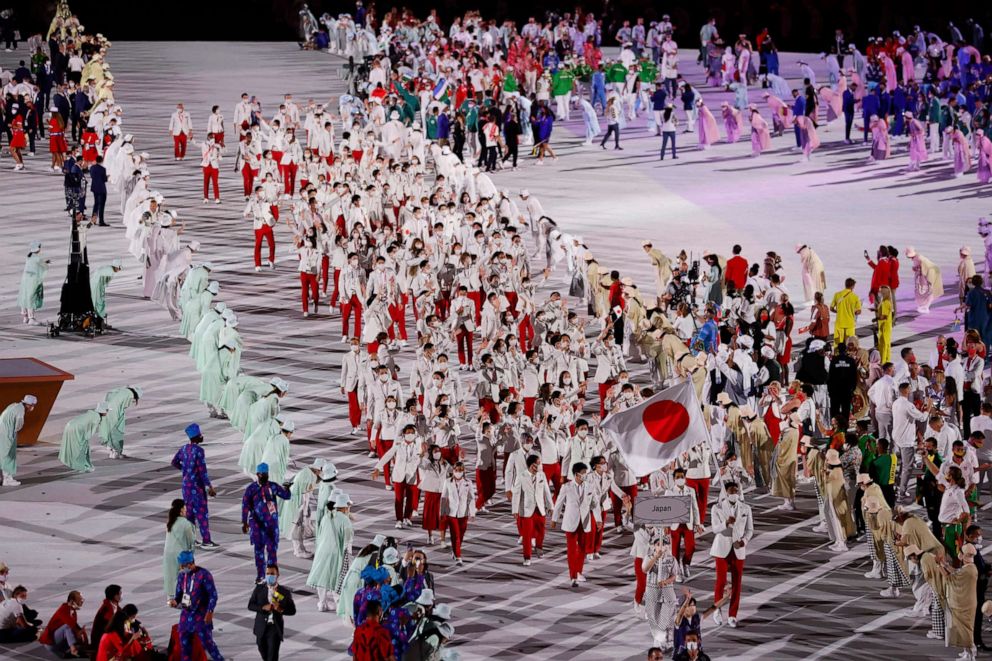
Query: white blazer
531, 494
350, 373
406, 461
458, 498
724, 536
572, 507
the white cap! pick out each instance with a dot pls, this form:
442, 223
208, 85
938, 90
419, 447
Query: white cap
30, 400
341, 500
102, 408
213, 287
194, 245
723, 399
276, 382
390, 556
442, 611
745, 341
525, 193
426, 597
117, 263
35, 246
768, 352
817, 345
289, 426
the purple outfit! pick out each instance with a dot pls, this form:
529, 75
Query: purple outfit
192, 461
197, 595
260, 513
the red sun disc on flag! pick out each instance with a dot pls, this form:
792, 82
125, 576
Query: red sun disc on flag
665, 420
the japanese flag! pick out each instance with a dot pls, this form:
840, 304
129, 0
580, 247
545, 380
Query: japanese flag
657, 431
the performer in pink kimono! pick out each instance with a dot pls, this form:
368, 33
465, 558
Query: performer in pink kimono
781, 113
908, 72
917, 142
731, 122
706, 126
962, 152
889, 67
760, 137
879, 139
832, 100
859, 91
808, 136
984, 148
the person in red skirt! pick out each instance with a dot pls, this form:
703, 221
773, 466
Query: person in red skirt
56, 140
433, 474
90, 141
18, 139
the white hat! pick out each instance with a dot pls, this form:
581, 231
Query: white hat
745, 341
166, 220
278, 383
967, 549
194, 245
723, 399
220, 307
228, 313
30, 400
864, 478
525, 193
390, 556
987, 609
394, 115
128, 138
35, 246
213, 287
289, 426
341, 500
966, 251
768, 352
910, 252
832, 456
442, 611
646, 243
445, 630
329, 470
378, 540
747, 412
426, 597
817, 345
627, 281
117, 263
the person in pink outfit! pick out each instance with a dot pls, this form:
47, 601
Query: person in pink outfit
706, 126
832, 100
917, 142
781, 113
761, 139
984, 148
879, 139
908, 71
810, 140
962, 151
731, 121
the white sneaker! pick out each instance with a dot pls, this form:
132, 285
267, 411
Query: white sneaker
217, 201
272, 265
399, 524
321, 607
876, 570
820, 527
445, 543
732, 622
306, 314
718, 616
889, 593
527, 562
618, 530
458, 561
389, 487
581, 578
257, 269
344, 339
407, 523
932, 635
206, 201
589, 557
596, 556
838, 548
9, 481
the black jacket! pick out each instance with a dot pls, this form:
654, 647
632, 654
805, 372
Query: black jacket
259, 598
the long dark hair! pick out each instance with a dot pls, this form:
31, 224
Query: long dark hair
174, 510
120, 619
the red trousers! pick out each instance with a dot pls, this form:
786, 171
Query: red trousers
485, 485
308, 281
179, 145
248, 178
397, 312
702, 489
289, 177
476, 297
274, 209
432, 511
489, 406
736, 567
357, 155
382, 446
354, 410
211, 174
403, 499
594, 540
525, 331
325, 267
442, 306
265, 232
682, 534
603, 389
465, 340
355, 305
529, 406
553, 473
219, 137
452, 454
576, 550
641, 580
531, 530
511, 302
334, 296
618, 504
456, 530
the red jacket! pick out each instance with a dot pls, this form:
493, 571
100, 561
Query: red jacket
736, 272
372, 643
880, 274
64, 615
616, 295
894, 273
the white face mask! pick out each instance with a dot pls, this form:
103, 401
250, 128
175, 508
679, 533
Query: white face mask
582, 433
691, 645
410, 437
733, 497
390, 405
680, 481
384, 377
459, 474
436, 456
355, 348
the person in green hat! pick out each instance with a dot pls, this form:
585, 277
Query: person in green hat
75, 451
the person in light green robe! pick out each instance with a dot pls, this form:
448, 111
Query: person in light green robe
195, 282
263, 409
11, 422
220, 369
255, 444
276, 452
31, 295
98, 286
229, 335
246, 391
111, 431
75, 450
209, 317
334, 541
179, 537
195, 307
304, 482
205, 338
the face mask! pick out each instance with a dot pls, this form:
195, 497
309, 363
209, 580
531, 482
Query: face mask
436, 456
355, 348
384, 377
582, 433
22, 600
390, 405
680, 481
271, 579
410, 437
733, 497
459, 474
567, 382
691, 645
